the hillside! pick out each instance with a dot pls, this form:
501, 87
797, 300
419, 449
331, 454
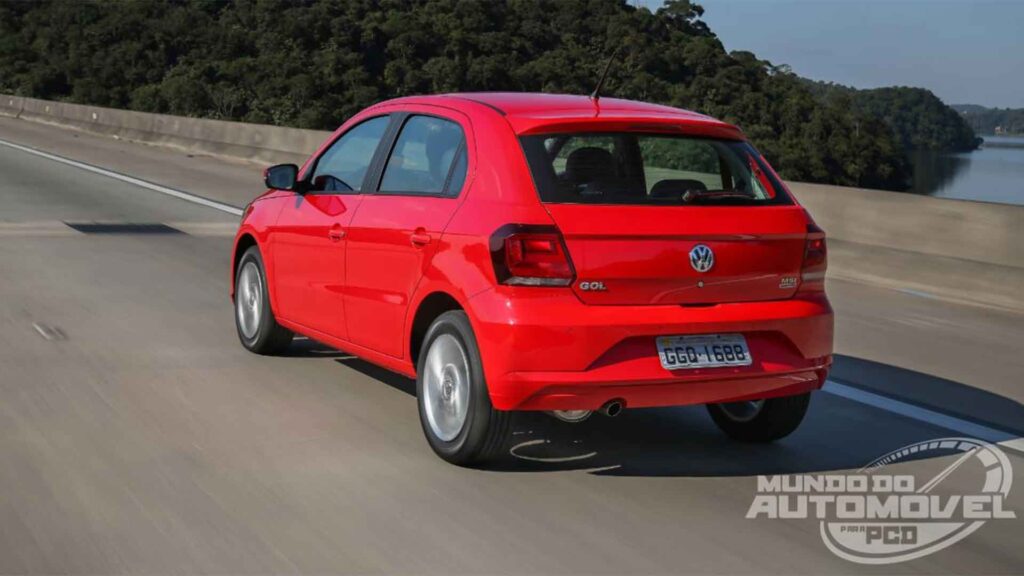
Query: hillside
987, 120
921, 120
311, 64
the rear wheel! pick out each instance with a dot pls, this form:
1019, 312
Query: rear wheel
763, 420
257, 328
455, 408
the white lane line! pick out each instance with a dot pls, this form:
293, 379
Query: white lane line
39, 228
921, 414
129, 179
918, 293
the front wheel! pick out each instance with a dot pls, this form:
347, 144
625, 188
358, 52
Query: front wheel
764, 420
455, 408
257, 328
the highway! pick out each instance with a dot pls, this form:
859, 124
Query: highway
137, 435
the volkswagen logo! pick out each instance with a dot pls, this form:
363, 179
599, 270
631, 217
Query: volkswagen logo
702, 258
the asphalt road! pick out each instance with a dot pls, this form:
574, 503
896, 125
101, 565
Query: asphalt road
136, 435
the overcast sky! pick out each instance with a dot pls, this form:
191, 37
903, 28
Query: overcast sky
966, 51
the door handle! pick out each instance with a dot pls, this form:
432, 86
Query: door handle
336, 233
419, 238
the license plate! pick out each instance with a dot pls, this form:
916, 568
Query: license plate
703, 351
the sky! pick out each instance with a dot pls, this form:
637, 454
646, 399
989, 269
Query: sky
965, 51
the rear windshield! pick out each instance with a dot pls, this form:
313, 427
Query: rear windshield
649, 169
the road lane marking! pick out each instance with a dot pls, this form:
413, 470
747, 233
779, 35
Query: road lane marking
186, 196
918, 293
921, 414
49, 332
40, 228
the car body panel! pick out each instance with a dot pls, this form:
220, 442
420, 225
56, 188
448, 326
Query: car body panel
641, 254
309, 252
556, 345
390, 244
385, 265
258, 219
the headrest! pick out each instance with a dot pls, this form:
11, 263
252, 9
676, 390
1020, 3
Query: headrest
589, 164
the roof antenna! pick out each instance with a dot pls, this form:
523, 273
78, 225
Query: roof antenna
596, 94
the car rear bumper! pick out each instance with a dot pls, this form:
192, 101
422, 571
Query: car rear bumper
543, 349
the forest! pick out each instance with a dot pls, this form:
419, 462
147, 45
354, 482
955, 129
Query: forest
988, 120
921, 121
312, 63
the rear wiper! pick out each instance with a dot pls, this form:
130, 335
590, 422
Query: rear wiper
693, 195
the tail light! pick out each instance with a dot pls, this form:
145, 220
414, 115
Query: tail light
812, 272
531, 256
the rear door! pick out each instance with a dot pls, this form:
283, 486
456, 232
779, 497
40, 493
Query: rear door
665, 219
397, 228
309, 238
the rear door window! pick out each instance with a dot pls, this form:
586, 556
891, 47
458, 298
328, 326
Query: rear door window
429, 157
656, 169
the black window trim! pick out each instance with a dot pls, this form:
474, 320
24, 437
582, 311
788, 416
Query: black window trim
377, 171
451, 169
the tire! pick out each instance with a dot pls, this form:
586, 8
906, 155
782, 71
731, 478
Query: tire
456, 414
257, 328
762, 420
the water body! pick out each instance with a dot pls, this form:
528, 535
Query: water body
993, 173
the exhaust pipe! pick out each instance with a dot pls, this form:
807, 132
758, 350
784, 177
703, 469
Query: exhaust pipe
611, 408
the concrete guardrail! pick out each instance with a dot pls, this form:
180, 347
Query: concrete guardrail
255, 142
961, 250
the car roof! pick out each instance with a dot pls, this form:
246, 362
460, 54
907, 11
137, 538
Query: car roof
534, 112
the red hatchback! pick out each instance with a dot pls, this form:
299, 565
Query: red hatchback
544, 252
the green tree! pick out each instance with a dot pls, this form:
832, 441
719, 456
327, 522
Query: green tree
313, 63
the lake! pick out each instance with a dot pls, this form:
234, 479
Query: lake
993, 173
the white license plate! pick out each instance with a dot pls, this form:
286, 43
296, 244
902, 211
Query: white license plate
703, 351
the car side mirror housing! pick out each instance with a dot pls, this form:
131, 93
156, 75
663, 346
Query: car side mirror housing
281, 176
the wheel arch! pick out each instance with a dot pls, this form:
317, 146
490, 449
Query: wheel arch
430, 307
244, 241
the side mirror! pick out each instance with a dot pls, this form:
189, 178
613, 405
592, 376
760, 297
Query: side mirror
281, 177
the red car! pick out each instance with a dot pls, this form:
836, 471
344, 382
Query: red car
544, 252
